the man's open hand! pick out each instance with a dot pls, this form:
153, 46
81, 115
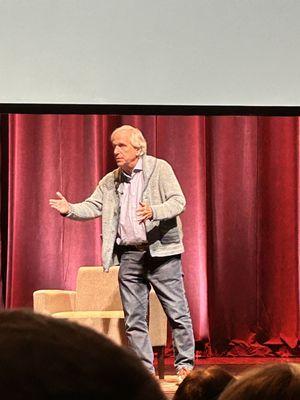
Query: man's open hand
60, 204
144, 212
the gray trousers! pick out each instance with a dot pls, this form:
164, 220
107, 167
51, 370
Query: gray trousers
137, 271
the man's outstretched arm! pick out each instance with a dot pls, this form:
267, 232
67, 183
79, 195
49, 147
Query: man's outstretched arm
88, 209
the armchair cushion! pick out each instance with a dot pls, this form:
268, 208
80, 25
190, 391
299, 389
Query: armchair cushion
110, 323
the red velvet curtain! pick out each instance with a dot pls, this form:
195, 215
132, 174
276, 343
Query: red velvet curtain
240, 175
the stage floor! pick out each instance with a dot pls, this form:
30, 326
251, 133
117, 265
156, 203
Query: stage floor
235, 365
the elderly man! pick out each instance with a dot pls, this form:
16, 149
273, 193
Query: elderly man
140, 203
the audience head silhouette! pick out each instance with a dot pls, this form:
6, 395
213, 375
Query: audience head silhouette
203, 384
270, 382
46, 358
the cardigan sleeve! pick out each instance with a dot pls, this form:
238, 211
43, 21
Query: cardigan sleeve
173, 199
90, 208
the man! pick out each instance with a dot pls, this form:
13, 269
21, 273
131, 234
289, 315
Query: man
140, 203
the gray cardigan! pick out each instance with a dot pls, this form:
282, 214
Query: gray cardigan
162, 192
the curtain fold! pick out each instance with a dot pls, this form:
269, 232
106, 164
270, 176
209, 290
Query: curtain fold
278, 255
240, 176
3, 204
233, 227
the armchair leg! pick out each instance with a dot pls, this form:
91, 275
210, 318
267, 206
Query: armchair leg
160, 361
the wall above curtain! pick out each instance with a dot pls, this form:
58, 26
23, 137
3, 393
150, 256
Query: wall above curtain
240, 175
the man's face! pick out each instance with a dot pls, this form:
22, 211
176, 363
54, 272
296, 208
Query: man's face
126, 155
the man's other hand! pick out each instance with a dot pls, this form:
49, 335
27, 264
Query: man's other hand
144, 212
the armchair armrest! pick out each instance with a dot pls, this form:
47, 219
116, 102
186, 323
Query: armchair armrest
52, 301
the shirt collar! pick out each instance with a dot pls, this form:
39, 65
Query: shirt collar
139, 166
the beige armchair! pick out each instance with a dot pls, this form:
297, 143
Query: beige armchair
96, 303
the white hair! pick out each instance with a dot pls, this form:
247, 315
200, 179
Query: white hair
136, 138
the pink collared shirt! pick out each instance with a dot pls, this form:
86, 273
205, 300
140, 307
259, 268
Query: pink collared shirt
130, 231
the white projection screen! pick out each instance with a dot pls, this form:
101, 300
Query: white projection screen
142, 52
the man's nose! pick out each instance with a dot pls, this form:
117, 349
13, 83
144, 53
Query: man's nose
116, 150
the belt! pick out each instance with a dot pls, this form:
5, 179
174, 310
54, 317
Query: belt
134, 247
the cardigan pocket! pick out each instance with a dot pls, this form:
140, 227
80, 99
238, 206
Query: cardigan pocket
169, 231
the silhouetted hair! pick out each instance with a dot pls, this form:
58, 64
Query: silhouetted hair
46, 358
269, 382
205, 384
